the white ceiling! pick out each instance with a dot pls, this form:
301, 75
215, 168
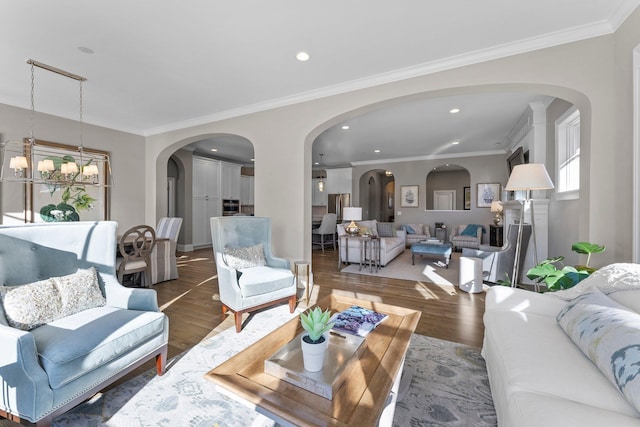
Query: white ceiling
165, 64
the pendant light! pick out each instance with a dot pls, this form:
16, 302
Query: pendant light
321, 182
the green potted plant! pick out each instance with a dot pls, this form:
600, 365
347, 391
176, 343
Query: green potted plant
314, 342
566, 276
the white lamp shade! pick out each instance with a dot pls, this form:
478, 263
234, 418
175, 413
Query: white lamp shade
532, 176
352, 214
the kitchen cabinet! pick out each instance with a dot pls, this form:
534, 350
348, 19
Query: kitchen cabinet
318, 198
247, 188
206, 202
230, 174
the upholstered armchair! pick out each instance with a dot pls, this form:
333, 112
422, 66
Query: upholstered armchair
466, 236
327, 228
249, 276
164, 264
67, 327
497, 262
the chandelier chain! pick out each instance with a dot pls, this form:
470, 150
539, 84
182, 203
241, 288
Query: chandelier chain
33, 103
81, 121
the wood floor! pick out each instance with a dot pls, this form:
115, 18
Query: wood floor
195, 313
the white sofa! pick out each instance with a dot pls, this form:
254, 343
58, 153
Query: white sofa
415, 232
539, 376
392, 242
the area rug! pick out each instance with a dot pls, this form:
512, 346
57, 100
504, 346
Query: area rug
426, 269
449, 387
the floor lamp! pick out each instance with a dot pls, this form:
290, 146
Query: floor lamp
527, 177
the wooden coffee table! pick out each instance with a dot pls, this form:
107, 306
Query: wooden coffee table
361, 399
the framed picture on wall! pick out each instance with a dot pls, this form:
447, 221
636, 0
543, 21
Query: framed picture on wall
409, 196
486, 194
467, 198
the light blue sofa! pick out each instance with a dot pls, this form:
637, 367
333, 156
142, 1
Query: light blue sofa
50, 369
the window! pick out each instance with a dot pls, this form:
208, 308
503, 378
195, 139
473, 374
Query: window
568, 155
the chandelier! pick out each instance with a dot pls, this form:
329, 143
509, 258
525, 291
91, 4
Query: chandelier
28, 161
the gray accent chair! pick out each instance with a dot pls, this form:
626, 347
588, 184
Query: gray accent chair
460, 241
249, 289
498, 261
51, 368
327, 228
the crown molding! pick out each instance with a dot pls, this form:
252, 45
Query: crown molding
570, 35
429, 157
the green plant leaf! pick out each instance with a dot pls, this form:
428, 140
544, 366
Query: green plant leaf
541, 271
587, 248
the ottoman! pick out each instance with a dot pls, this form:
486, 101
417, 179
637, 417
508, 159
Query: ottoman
438, 250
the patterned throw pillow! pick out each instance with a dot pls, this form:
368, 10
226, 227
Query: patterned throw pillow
609, 335
79, 291
28, 306
385, 229
247, 257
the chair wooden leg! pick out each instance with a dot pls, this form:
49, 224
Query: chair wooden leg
292, 303
238, 318
161, 362
322, 242
224, 310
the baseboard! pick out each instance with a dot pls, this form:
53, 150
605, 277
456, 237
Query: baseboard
184, 248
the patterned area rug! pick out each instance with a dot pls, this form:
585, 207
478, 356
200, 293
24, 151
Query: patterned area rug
449, 387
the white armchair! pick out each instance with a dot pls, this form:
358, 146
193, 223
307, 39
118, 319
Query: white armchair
249, 276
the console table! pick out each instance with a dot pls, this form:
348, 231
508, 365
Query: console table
367, 399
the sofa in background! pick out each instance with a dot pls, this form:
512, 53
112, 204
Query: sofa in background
415, 232
466, 236
72, 329
392, 242
541, 375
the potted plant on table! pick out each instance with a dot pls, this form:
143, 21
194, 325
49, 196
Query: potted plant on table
314, 343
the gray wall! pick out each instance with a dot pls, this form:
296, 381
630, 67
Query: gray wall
482, 169
127, 160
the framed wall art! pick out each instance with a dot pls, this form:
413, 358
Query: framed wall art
467, 198
486, 194
78, 198
409, 196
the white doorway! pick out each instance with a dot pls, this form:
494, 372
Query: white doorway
171, 197
444, 200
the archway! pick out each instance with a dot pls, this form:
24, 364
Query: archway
181, 154
448, 188
377, 192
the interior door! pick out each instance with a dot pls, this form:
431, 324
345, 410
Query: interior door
444, 200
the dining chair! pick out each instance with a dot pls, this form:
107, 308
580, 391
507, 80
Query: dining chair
135, 248
327, 228
164, 263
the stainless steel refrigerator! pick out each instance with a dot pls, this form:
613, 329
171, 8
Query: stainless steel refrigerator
337, 201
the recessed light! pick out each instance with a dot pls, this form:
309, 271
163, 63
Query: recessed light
345, 127
447, 165
455, 142
214, 149
302, 56
86, 50
376, 151
316, 163
454, 110
253, 160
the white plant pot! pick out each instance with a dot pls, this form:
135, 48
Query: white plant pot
313, 354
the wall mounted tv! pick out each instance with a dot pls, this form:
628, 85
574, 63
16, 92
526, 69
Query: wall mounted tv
518, 157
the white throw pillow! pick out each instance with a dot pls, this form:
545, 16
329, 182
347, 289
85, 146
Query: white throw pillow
247, 257
609, 335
